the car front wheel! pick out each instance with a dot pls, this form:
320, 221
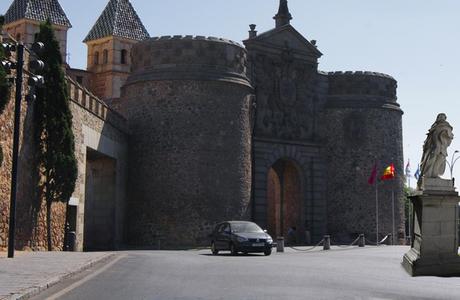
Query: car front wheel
268, 252
214, 249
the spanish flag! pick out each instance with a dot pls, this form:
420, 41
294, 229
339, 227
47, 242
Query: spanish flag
389, 173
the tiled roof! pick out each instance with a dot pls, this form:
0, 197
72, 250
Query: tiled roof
118, 19
38, 10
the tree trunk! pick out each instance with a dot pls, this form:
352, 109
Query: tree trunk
48, 224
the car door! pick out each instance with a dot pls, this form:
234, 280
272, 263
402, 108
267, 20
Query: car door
218, 237
226, 236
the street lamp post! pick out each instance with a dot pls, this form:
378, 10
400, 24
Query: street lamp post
14, 170
451, 164
34, 81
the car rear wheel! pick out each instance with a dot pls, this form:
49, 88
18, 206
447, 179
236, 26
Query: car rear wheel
268, 252
214, 249
233, 250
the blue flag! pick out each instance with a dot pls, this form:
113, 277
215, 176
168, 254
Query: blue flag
417, 173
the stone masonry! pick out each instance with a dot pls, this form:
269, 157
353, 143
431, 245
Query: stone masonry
188, 103
95, 127
176, 133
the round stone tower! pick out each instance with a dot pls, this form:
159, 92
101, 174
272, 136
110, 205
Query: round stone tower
188, 102
364, 127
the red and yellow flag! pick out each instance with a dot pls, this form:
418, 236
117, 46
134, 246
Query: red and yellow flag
389, 172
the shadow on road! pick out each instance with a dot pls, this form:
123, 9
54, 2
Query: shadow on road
230, 255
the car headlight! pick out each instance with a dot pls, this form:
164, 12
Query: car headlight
241, 239
269, 240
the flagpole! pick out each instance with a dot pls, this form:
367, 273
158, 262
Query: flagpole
377, 211
393, 213
409, 212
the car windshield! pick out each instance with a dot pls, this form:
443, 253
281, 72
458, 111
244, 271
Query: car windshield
246, 227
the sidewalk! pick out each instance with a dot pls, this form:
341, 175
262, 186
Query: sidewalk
31, 272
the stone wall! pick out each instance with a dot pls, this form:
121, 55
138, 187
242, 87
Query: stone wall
88, 112
98, 128
30, 211
363, 125
365, 84
6, 137
190, 146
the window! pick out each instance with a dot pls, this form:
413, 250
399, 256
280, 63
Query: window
96, 58
105, 57
226, 228
123, 59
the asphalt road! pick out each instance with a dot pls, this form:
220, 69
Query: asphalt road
365, 273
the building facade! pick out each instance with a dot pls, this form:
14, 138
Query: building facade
178, 133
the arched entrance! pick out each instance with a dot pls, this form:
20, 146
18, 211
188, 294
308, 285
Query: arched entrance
284, 201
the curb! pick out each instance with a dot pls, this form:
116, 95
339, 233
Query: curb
33, 291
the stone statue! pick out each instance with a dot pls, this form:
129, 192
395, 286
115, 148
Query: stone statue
439, 137
434, 242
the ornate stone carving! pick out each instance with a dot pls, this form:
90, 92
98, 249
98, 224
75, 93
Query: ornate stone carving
439, 138
285, 105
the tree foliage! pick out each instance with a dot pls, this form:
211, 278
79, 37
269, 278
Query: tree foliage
407, 207
53, 121
4, 87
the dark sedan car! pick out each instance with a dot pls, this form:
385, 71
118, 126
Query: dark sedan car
240, 236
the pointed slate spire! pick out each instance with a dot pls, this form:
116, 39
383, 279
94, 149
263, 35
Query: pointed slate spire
283, 17
37, 10
118, 19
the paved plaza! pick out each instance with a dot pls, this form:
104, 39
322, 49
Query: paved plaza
342, 273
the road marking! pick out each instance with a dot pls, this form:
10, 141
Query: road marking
83, 280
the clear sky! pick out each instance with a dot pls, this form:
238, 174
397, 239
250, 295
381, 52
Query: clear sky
417, 42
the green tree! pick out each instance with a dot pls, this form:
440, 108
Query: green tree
4, 86
407, 207
53, 120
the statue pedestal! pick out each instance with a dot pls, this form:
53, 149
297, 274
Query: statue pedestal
434, 245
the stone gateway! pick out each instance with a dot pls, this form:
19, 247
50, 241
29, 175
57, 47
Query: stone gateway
177, 133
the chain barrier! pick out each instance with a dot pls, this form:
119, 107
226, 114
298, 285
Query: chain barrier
337, 245
308, 249
347, 246
368, 242
371, 243
379, 243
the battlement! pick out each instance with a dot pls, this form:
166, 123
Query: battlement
362, 83
196, 38
189, 58
94, 105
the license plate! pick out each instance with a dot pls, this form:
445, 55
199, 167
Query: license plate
258, 245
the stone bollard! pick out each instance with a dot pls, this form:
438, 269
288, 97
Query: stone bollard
280, 244
327, 242
361, 241
389, 240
